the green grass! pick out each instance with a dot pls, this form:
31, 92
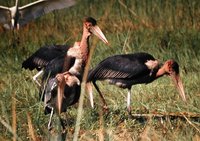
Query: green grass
165, 29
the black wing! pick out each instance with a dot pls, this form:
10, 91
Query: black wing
43, 56
126, 66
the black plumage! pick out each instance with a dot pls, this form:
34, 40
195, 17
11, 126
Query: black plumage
130, 69
127, 70
44, 55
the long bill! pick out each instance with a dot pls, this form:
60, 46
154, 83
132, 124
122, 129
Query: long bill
60, 94
179, 85
97, 31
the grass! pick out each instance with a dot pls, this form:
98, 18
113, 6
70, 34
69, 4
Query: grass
167, 29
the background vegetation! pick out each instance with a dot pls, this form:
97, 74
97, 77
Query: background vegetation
166, 29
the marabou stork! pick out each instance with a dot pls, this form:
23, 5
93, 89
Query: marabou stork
131, 69
59, 61
19, 16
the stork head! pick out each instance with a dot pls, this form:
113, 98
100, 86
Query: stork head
91, 25
172, 69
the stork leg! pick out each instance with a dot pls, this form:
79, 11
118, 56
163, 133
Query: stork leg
35, 77
90, 91
91, 100
105, 107
129, 101
50, 118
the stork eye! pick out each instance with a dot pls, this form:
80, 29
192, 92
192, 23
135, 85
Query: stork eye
88, 25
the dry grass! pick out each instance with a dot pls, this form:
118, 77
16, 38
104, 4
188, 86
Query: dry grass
31, 129
166, 29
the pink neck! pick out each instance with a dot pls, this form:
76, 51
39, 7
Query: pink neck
84, 44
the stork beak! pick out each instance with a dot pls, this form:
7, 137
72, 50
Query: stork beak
97, 31
60, 92
60, 98
179, 85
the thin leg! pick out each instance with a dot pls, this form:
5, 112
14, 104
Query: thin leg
129, 101
35, 77
102, 98
89, 88
91, 99
50, 118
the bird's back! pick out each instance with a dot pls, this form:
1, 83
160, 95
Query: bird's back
121, 67
43, 56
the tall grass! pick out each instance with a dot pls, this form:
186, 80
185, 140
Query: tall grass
166, 29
